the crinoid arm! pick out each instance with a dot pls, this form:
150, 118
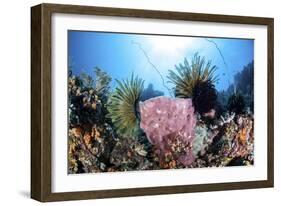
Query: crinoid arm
195, 80
123, 105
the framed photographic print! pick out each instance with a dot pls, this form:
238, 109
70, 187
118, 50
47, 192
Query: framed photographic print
130, 102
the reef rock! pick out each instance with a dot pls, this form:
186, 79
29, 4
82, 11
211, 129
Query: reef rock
166, 120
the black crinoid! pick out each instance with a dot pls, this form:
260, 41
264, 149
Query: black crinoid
195, 79
204, 96
236, 103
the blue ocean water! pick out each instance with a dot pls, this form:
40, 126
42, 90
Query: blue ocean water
151, 56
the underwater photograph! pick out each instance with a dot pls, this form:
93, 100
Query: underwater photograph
152, 101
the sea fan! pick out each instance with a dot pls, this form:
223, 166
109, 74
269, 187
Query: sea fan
188, 75
123, 106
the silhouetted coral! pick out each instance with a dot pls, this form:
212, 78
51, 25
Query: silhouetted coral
244, 85
149, 93
236, 103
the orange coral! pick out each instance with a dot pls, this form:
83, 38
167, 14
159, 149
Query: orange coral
168, 162
72, 148
77, 131
242, 135
87, 138
96, 132
97, 136
94, 105
172, 164
246, 131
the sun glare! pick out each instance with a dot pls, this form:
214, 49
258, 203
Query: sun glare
170, 45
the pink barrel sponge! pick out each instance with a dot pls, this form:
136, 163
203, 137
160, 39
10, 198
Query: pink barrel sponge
164, 119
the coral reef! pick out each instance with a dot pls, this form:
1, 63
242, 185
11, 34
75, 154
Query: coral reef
84, 104
128, 128
89, 151
128, 154
93, 144
169, 123
91, 137
232, 143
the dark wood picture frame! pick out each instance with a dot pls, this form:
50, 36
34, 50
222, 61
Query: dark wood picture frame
41, 101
